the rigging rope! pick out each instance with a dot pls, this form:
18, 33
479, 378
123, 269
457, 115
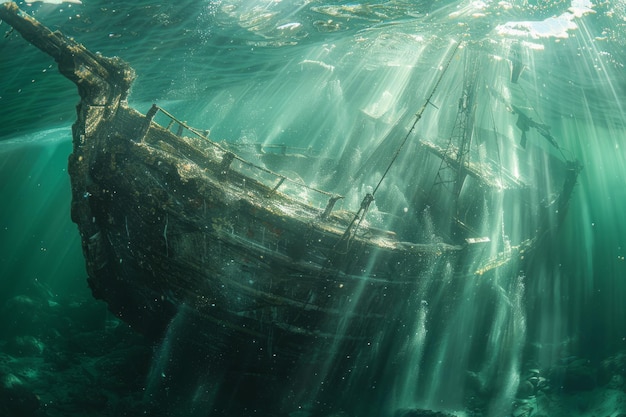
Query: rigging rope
418, 116
369, 197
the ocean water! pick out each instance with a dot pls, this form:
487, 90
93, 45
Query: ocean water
344, 79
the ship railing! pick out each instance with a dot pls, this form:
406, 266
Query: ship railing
179, 128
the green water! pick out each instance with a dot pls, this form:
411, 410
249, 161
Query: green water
341, 77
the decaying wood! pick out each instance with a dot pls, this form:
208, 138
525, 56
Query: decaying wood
165, 225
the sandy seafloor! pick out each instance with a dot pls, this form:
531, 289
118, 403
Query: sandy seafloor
293, 72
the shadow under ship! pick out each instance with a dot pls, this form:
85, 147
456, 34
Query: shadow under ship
173, 221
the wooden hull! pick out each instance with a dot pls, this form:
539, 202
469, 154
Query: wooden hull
164, 229
171, 223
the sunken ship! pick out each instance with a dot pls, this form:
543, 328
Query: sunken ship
268, 267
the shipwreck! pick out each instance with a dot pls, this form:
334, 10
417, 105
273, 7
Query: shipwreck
170, 219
